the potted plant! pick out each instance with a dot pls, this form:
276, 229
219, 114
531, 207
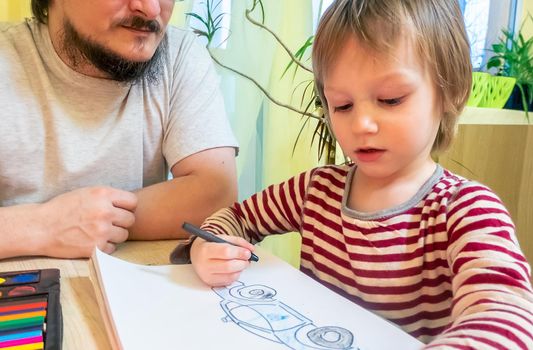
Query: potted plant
513, 57
310, 105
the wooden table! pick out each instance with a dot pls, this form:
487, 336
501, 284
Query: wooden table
83, 327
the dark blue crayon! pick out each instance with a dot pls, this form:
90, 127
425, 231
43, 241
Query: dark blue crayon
208, 236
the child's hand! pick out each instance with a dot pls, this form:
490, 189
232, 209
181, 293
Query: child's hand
220, 264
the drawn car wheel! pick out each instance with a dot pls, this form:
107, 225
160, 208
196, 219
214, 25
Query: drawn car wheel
253, 292
331, 337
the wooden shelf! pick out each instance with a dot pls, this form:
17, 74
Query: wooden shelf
495, 147
492, 116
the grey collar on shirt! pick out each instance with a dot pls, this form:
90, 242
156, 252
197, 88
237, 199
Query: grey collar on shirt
423, 191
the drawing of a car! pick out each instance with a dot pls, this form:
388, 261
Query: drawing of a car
254, 309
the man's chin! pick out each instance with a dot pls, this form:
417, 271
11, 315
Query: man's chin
134, 45
133, 59
133, 53
126, 62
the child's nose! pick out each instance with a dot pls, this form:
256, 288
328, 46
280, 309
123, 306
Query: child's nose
363, 121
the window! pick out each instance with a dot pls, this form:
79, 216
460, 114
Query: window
212, 9
484, 21
319, 6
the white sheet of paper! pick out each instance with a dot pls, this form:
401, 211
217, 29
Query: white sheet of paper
168, 307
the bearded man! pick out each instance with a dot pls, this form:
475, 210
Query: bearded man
100, 102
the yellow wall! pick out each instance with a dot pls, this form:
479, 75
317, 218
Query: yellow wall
14, 10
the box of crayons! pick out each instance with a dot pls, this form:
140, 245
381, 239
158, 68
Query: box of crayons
30, 312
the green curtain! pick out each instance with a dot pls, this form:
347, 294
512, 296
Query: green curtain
267, 132
281, 126
527, 9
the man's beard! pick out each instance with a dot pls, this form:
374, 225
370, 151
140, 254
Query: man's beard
82, 50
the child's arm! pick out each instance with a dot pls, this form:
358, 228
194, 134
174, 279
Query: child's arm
493, 299
275, 210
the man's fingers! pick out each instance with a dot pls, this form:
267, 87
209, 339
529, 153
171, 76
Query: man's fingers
124, 199
123, 218
107, 247
117, 235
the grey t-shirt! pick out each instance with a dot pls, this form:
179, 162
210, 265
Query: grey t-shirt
61, 130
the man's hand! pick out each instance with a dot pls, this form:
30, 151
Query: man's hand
77, 221
220, 264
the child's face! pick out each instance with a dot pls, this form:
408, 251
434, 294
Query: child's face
383, 109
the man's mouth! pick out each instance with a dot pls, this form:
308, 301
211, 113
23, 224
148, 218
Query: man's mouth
143, 30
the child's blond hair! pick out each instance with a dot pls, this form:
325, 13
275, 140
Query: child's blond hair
437, 30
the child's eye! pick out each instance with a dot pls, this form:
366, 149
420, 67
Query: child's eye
343, 108
391, 101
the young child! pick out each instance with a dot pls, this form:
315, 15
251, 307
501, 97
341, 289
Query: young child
394, 231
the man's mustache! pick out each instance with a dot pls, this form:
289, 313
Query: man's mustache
141, 24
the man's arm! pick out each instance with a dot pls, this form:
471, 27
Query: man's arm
69, 225
18, 230
203, 183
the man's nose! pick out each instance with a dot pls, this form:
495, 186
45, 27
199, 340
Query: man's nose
148, 9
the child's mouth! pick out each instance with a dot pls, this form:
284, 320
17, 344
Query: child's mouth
368, 150
368, 154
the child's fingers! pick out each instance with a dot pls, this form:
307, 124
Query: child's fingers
223, 251
241, 242
222, 280
218, 266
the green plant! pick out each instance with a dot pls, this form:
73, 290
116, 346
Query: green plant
513, 57
310, 104
211, 23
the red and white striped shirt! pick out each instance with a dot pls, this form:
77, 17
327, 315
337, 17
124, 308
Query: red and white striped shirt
445, 266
